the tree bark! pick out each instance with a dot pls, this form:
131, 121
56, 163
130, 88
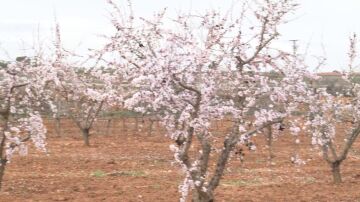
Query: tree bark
58, 119
2, 170
86, 134
202, 196
58, 126
151, 124
335, 169
269, 144
136, 129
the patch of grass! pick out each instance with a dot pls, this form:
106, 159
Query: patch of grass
132, 173
243, 170
160, 161
251, 182
260, 161
155, 186
309, 180
98, 173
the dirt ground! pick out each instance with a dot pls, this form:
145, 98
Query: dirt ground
123, 166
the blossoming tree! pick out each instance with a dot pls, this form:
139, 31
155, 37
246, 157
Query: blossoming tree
197, 69
78, 89
329, 112
22, 84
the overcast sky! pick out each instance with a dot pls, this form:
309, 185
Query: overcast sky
327, 22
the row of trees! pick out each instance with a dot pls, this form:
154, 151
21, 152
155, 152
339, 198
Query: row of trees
188, 71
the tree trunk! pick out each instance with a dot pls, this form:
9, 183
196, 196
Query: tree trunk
335, 169
58, 126
202, 196
269, 144
58, 118
2, 170
151, 123
86, 134
136, 130
108, 127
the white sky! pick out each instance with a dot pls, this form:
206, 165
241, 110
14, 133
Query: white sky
327, 22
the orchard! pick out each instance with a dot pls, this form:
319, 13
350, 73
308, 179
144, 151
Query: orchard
198, 107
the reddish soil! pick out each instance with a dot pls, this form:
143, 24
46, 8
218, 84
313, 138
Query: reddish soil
138, 167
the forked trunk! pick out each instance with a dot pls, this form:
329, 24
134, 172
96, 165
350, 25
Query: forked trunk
86, 134
335, 169
202, 196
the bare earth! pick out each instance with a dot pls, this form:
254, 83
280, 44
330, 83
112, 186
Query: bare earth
137, 167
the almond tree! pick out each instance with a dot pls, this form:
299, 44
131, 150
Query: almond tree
22, 84
78, 88
81, 99
84, 107
200, 69
328, 112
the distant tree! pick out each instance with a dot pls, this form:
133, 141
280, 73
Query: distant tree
3, 64
328, 112
82, 95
